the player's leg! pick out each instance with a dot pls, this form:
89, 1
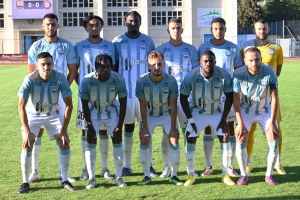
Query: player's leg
165, 148
35, 176
26, 155
279, 166
272, 139
174, 150
250, 147
225, 148
232, 141
118, 151
128, 136
241, 150
104, 149
81, 124
208, 145
144, 151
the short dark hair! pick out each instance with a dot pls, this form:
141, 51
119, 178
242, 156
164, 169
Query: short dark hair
102, 57
51, 16
133, 13
44, 55
252, 49
261, 20
156, 54
91, 17
176, 20
207, 53
218, 20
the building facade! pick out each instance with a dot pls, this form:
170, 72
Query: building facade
18, 30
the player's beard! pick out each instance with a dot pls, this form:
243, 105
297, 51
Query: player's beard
54, 34
133, 32
95, 36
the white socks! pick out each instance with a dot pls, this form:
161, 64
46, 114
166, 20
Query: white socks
145, 159
165, 148
118, 158
225, 155
174, 158
65, 157
83, 148
190, 158
25, 165
90, 156
208, 145
36, 150
128, 142
104, 147
241, 155
272, 157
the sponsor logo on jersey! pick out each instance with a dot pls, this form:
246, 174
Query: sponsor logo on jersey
53, 89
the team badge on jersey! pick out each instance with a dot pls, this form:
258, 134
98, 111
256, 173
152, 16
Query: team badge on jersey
53, 89
60, 49
105, 50
228, 51
271, 51
185, 53
143, 44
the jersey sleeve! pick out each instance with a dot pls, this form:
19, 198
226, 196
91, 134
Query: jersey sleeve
77, 52
32, 55
113, 54
280, 56
151, 45
71, 55
116, 44
84, 90
139, 91
25, 89
195, 57
174, 89
238, 58
186, 85
122, 92
65, 88
236, 83
273, 79
227, 84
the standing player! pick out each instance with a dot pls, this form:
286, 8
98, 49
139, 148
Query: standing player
272, 55
86, 51
228, 57
180, 58
64, 59
255, 100
132, 49
206, 84
44, 87
102, 111
158, 93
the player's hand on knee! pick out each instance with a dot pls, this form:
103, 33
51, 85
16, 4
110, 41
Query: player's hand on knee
241, 133
272, 132
91, 134
63, 137
28, 141
223, 125
145, 136
117, 135
174, 136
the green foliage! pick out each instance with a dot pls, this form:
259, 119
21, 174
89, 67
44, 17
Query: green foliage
205, 187
278, 10
248, 12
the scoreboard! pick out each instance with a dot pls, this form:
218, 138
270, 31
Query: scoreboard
27, 9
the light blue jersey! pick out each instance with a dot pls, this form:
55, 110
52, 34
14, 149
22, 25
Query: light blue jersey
86, 53
179, 60
255, 90
228, 55
157, 95
206, 93
62, 51
102, 95
133, 58
44, 96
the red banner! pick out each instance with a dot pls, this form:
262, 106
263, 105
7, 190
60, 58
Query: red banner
14, 57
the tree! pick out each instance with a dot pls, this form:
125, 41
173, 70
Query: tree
278, 10
248, 12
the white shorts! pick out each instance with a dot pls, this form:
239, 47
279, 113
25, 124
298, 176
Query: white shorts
181, 115
162, 121
61, 109
213, 120
80, 119
52, 124
105, 124
231, 115
132, 111
263, 120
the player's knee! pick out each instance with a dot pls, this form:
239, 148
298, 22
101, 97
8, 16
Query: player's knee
129, 127
145, 141
208, 130
63, 146
271, 137
191, 140
174, 140
83, 133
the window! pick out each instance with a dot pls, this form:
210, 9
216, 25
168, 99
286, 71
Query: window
177, 3
115, 18
77, 3
122, 3
1, 4
74, 19
1, 20
161, 18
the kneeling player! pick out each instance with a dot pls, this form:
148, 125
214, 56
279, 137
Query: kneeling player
157, 93
102, 111
43, 87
